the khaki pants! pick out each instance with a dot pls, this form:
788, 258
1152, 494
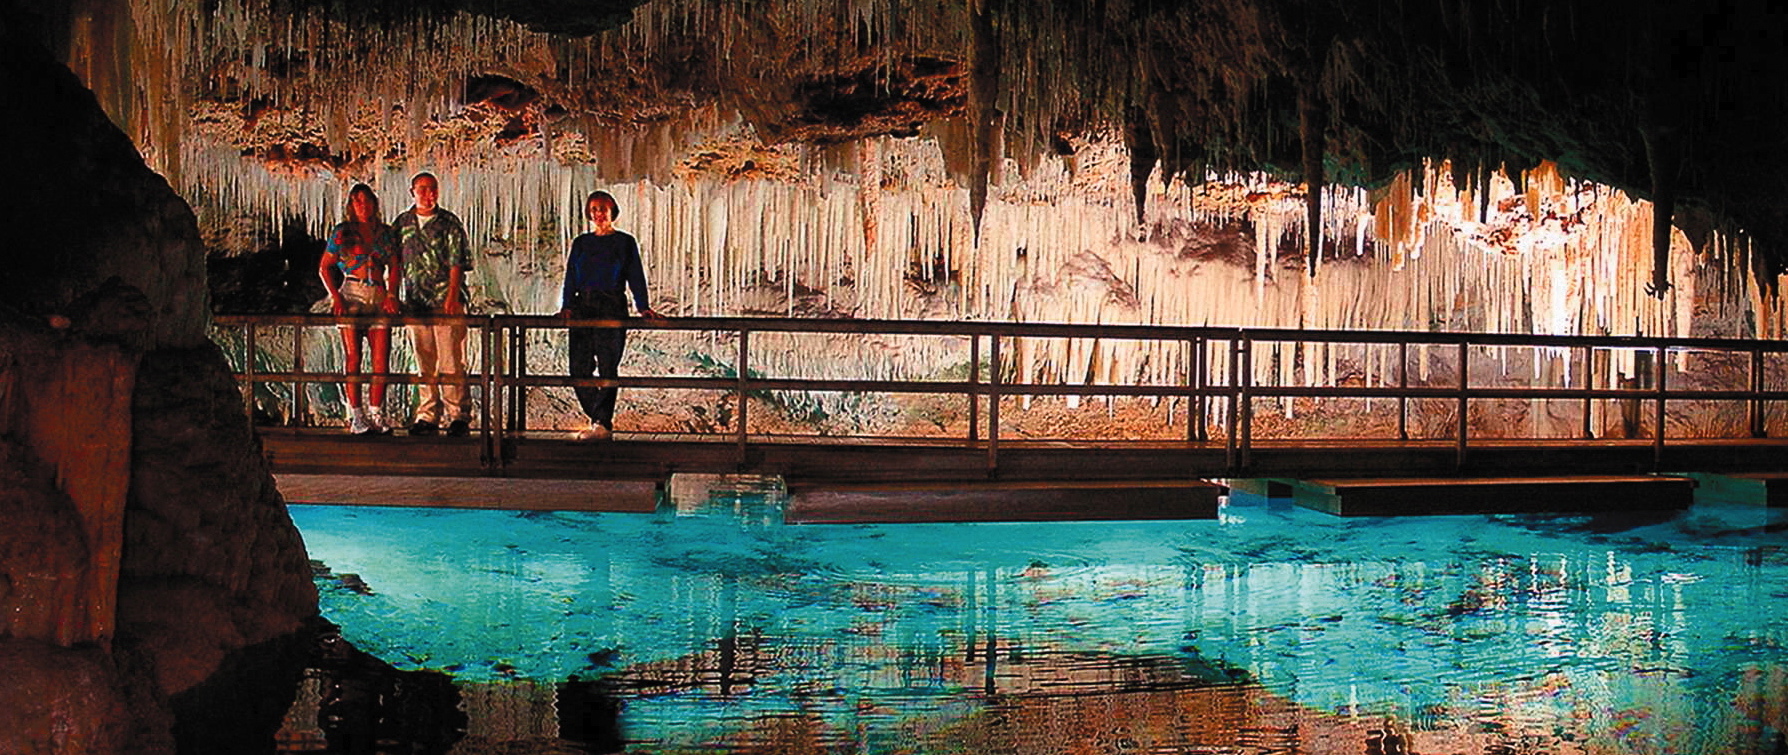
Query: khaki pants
441, 350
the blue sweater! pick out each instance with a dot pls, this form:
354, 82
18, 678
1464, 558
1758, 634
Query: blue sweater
605, 264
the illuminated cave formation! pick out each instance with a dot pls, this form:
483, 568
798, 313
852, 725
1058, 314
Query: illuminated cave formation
872, 137
1477, 166
1027, 161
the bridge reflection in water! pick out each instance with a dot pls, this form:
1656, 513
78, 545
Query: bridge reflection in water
1143, 404
710, 626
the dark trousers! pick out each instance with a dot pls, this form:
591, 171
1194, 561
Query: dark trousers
598, 350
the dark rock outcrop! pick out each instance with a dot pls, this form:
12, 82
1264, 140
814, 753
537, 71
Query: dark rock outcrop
65, 454
81, 205
142, 541
59, 699
212, 562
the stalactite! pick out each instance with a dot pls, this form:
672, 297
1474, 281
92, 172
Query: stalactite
896, 237
1661, 156
984, 78
1312, 121
1144, 154
869, 188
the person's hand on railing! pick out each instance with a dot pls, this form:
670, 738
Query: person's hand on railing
565, 313
652, 314
388, 304
337, 307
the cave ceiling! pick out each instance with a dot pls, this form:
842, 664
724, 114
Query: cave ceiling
1681, 102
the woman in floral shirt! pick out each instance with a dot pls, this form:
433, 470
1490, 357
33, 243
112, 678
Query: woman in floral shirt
360, 268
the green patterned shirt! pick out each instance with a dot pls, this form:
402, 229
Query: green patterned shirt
430, 252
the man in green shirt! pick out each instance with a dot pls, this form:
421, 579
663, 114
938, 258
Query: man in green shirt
436, 259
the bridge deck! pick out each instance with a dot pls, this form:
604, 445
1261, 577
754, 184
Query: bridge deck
631, 456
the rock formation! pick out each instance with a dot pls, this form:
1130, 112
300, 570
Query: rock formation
141, 539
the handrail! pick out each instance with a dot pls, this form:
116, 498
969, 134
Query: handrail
1036, 329
504, 379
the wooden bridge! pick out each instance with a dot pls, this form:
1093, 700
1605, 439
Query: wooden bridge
1480, 415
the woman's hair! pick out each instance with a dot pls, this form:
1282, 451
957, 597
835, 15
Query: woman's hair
378, 218
614, 210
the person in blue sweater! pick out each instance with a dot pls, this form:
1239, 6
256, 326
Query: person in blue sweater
604, 266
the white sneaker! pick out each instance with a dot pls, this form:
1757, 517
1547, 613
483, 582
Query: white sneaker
594, 431
375, 417
357, 424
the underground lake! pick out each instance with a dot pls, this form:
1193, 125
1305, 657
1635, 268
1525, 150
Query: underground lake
712, 626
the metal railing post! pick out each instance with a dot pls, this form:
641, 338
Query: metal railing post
1247, 427
504, 387
509, 363
248, 370
1464, 403
1589, 384
300, 389
520, 346
974, 396
488, 429
1758, 430
1657, 446
744, 370
1195, 380
1402, 390
1232, 417
993, 407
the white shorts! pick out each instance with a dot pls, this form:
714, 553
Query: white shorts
361, 298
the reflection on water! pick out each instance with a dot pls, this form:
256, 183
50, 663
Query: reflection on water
713, 627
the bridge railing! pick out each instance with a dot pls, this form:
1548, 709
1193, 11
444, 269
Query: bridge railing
1234, 385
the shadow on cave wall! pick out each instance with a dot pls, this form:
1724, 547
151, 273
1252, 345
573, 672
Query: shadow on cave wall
279, 277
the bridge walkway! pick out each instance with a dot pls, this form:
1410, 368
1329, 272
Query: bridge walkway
1718, 402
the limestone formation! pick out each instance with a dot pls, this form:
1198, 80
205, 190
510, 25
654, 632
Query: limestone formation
141, 539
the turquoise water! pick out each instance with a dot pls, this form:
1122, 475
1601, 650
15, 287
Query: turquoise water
1272, 628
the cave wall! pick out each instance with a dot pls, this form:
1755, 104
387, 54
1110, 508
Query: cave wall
142, 540
83, 205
